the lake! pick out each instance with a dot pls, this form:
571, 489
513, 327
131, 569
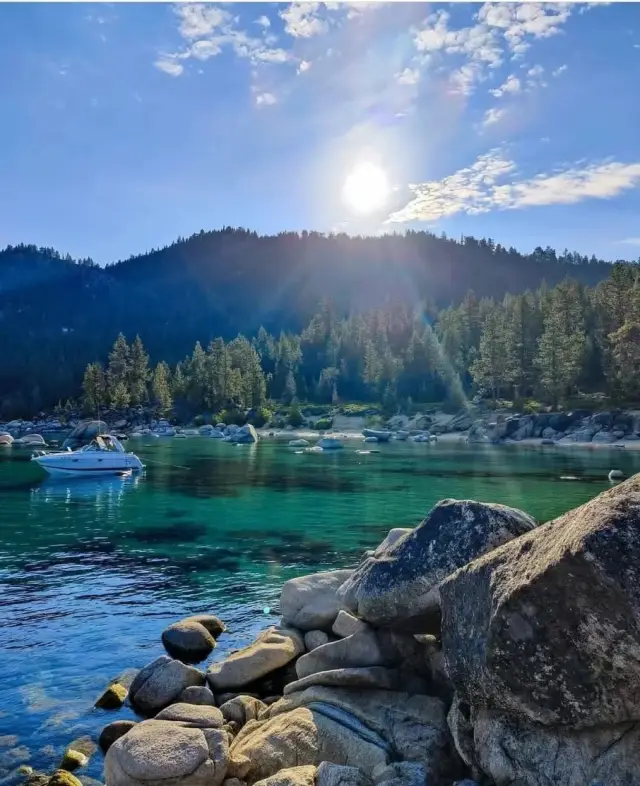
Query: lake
92, 571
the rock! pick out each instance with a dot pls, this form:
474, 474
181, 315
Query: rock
84, 432
113, 698
330, 774
112, 732
161, 682
365, 677
246, 435
515, 752
273, 648
242, 709
400, 587
305, 737
315, 638
310, 602
616, 474
197, 694
163, 753
346, 624
73, 760
188, 640
213, 624
549, 433
233, 782
63, 778
402, 773
393, 536
200, 717
360, 649
412, 727
605, 437
292, 776
558, 602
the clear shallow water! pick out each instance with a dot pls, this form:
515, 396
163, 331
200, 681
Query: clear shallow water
91, 571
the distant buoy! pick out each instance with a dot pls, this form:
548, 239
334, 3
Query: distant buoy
616, 474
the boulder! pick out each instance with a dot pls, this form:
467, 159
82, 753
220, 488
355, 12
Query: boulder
84, 432
213, 624
365, 677
197, 694
360, 649
292, 776
188, 640
400, 586
547, 627
305, 736
246, 435
63, 778
393, 536
514, 752
346, 624
315, 638
196, 716
330, 774
412, 727
112, 732
310, 602
113, 698
273, 648
549, 433
166, 753
604, 437
402, 773
242, 709
161, 682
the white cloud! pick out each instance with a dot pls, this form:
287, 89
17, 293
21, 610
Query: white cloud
512, 85
303, 66
477, 189
271, 56
536, 77
203, 50
519, 21
302, 20
559, 70
463, 80
198, 20
264, 21
631, 241
410, 76
265, 99
493, 116
536, 71
169, 66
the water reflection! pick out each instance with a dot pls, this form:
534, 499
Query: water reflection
103, 492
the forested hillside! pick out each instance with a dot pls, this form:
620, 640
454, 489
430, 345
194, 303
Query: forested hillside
342, 317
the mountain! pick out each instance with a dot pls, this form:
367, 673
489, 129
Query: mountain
56, 315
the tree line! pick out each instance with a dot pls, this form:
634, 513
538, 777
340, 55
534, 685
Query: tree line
549, 344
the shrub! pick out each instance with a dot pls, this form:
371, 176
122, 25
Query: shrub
295, 418
198, 420
324, 424
259, 417
230, 416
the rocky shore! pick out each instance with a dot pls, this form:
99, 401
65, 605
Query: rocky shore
477, 649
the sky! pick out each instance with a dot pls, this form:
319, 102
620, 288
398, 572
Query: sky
125, 126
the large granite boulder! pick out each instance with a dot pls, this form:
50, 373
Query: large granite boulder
292, 776
246, 435
84, 432
273, 648
513, 752
547, 627
188, 640
412, 727
330, 774
161, 682
400, 586
167, 753
310, 602
113, 731
242, 709
361, 677
197, 716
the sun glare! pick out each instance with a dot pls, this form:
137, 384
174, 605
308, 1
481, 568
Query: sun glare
366, 188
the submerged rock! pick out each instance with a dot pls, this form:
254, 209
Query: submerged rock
113, 698
399, 586
161, 682
112, 732
273, 648
311, 602
547, 627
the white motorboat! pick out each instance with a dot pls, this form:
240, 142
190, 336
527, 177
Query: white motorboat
102, 456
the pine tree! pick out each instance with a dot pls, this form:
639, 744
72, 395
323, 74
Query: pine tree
118, 372
94, 387
161, 388
138, 372
491, 370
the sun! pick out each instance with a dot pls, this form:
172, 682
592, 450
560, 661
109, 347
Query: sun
366, 188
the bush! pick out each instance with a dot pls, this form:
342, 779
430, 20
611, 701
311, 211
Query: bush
230, 416
324, 424
295, 418
259, 417
198, 420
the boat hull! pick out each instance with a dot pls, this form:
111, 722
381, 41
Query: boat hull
62, 466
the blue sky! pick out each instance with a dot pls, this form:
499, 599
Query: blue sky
127, 125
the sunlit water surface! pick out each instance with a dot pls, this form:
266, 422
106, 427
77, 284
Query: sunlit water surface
91, 571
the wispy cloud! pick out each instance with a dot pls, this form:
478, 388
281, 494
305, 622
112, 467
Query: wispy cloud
169, 66
265, 99
511, 85
303, 65
410, 76
559, 70
481, 188
304, 20
493, 116
263, 21
631, 241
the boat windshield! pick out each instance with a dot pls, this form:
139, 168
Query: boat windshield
99, 443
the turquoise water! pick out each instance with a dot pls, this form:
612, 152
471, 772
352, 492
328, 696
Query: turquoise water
91, 571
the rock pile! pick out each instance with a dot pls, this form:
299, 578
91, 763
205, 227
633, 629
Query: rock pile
477, 648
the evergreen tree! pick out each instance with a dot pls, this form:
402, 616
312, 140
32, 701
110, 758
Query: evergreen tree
118, 372
138, 372
492, 369
94, 387
120, 395
161, 388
